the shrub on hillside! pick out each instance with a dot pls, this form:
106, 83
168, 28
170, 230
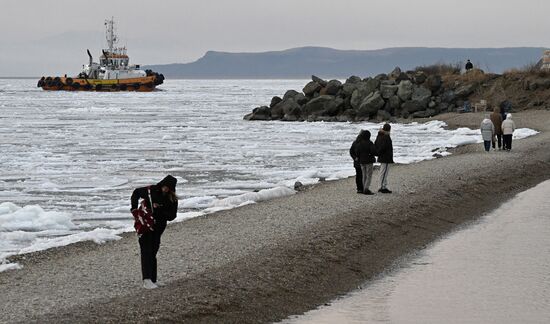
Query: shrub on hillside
440, 69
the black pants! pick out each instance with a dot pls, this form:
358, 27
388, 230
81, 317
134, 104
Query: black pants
499, 139
507, 142
149, 244
358, 177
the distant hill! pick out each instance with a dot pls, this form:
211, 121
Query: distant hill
327, 62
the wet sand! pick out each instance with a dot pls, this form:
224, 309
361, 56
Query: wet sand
263, 262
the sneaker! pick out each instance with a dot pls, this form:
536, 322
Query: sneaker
368, 192
148, 284
384, 190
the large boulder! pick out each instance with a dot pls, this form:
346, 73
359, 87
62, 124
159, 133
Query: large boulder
294, 114
283, 107
322, 82
363, 89
259, 113
434, 82
466, 90
323, 105
300, 99
353, 79
395, 73
275, 100
348, 88
333, 86
290, 94
422, 95
411, 106
448, 96
405, 90
311, 88
392, 104
419, 77
402, 77
371, 104
387, 90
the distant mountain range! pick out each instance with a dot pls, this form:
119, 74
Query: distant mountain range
325, 62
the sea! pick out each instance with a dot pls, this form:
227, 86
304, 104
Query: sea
70, 160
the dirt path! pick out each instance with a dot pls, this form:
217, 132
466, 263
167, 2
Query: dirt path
263, 262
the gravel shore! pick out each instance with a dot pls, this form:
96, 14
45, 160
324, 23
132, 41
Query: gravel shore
263, 262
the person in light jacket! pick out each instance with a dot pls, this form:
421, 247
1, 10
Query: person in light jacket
508, 128
487, 132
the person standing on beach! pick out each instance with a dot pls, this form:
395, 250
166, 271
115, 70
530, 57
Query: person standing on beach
496, 118
508, 128
384, 149
356, 164
164, 202
365, 152
487, 132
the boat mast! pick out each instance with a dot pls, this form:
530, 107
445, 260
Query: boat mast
111, 37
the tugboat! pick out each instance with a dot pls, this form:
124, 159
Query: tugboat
112, 73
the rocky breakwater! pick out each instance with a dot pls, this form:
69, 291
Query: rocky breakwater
414, 94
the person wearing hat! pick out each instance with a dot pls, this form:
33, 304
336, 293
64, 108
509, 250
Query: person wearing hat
384, 148
508, 128
162, 199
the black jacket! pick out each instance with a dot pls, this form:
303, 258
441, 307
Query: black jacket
166, 210
353, 154
365, 151
384, 147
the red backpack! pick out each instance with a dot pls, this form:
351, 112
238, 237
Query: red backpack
143, 217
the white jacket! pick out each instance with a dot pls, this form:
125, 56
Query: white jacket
487, 129
508, 126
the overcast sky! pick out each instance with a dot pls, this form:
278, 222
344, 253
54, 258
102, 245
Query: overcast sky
39, 37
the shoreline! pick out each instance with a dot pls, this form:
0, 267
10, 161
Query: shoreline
263, 262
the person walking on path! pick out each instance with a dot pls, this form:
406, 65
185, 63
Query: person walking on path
487, 132
365, 152
384, 149
496, 118
508, 128
162, 200
356, 164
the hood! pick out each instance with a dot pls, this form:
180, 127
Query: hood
365, 134
486, 121
168, 181
509, 116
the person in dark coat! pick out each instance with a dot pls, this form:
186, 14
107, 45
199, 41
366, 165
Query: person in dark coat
469, 66
496, 118
384, 147
165, 206
356, 164
365, 152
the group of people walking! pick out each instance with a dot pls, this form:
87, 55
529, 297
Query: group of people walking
497, 128
364, 152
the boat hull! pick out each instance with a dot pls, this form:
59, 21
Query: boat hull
141, 84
